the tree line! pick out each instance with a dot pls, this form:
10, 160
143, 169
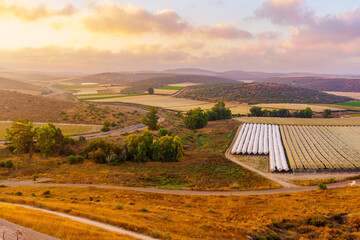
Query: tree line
256, 111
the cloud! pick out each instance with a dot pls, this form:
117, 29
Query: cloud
226, 31
285, 12
28, 14
113, 18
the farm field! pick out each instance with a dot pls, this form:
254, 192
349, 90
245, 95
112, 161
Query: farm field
294, 106
322, 147
355, 121
354, 95
206, 217
352, 104
186, 84
164, 91
71, 129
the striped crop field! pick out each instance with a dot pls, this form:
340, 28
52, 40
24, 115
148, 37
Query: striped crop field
299, 147
354, 121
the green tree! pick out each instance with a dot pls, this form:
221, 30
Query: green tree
21, 136
50, 139
170, 148
327, 113
196, 118
256, 111
106, 126
150, 90
151, 119
219, 112
99, 149
139, 148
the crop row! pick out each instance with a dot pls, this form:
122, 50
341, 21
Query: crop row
262, 139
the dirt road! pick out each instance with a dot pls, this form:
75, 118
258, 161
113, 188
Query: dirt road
86, 221
11, 231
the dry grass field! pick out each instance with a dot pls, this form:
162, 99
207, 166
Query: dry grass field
71, 129
354, 95
304, 215
294, 106
39, 109
355, 121
186, 84
55, 226
20, 86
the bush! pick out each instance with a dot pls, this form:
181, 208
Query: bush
9, 164
163, 132
18, 194
99, 149
74, 159
322, 186
317, 221
106, 126
196, 119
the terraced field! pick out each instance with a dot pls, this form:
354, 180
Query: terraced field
322, 147
300, 147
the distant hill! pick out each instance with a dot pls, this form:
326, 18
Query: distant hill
319, 83
254, 93
10, 84
162, 81
190, 71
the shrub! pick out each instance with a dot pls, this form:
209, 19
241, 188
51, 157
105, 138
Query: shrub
106, 126
99, 149
144, 210
318, 221
74, 159
9, 164
35, 177
196, 119
118, 207
322, 186
18, 194
47, 192
163, 132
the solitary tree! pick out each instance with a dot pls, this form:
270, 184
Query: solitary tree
20, 136
195, 119
150, 90
151, 119
327, 113
50, 139
170, 148
219, 112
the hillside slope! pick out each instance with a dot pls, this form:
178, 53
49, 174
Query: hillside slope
319, 83
157, 82
10, 84
254, 93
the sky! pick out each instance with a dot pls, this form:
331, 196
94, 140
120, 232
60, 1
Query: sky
318, 36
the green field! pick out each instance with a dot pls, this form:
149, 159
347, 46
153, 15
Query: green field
73, 86
172, 88
108, 97
70, 129
352, 104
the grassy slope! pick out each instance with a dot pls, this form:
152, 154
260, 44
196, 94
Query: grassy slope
39, 109
351, 104
201, 217
160, 82
254, 93
319, 83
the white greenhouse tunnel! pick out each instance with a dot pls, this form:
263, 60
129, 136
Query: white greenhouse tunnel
262, 139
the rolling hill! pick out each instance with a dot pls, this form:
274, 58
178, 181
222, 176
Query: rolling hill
319, 83
254, 93
10, 84
162, 81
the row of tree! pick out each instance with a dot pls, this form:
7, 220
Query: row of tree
22, 138
137, 148
198, 118
282, 112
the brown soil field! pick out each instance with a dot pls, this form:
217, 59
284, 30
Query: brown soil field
354, 95
15, 105
319, 214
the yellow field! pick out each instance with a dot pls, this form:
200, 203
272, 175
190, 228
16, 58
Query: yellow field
296, 106
164, 91
355, 121
55, 226
71, 129
201, 217
355, 95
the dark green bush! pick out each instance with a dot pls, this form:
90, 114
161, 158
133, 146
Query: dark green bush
318, 221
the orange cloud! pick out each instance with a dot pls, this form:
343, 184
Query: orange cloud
29, 14
222, 31
113, 18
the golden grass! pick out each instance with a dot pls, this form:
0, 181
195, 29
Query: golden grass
188, 84
355, 121
165, 91
201, 217
355, 95
71, 129
55, 226
296, 106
